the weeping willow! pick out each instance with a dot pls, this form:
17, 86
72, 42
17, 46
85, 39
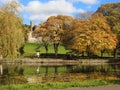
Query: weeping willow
11, 31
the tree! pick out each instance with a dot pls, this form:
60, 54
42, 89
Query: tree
11, 35
112, 13
42, 32
52, 31
55, 32
26, 30
91, 35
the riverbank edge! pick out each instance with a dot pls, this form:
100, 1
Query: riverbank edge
60, 85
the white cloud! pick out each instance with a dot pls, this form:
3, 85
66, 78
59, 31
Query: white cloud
85, 1
37, 10
3, 2
7, 1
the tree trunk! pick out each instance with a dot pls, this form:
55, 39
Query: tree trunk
88, 51
102, 52
46, 48
56, 48
83, 54
115, 52
56, 70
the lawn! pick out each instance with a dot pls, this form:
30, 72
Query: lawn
30, 49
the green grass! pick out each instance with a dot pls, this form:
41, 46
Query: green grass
52, 85
30, 49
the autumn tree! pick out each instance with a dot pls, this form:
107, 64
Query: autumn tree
112, 13
11, 35
68, 25
91, 35
42, 32
52, 31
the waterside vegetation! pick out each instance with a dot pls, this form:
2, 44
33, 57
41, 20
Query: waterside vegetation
58, 85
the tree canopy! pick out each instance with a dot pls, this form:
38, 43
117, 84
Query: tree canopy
11, 34
89, 32
91, 35
112, 14
52, 30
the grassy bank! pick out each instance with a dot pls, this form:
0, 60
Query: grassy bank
56, 85
30, 49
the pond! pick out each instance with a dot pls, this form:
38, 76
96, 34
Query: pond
18, 73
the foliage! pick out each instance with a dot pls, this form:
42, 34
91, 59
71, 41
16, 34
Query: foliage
90, 32
11, 35
52, 30
112, 13
91, 35
26, 29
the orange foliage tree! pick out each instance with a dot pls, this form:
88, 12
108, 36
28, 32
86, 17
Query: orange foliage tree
112, 13
91, 35
53, 29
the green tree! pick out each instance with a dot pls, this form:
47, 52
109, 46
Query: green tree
11, 34
26, 30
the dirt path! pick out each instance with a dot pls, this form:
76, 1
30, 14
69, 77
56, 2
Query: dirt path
109, 87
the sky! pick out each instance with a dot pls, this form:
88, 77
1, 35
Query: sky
39, 10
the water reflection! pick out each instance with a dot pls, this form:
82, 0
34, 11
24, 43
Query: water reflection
1, 69
34, 73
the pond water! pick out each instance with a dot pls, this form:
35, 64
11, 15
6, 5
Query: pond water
33, 70
21, 73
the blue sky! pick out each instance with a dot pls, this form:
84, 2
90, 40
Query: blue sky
40, 10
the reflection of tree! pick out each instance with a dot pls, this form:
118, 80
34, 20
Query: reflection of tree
46, 70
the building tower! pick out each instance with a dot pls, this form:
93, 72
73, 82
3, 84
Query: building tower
31, 39
31, 26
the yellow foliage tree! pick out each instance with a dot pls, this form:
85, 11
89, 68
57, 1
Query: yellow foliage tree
91, 35
112, 14
52, 31
11, 35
